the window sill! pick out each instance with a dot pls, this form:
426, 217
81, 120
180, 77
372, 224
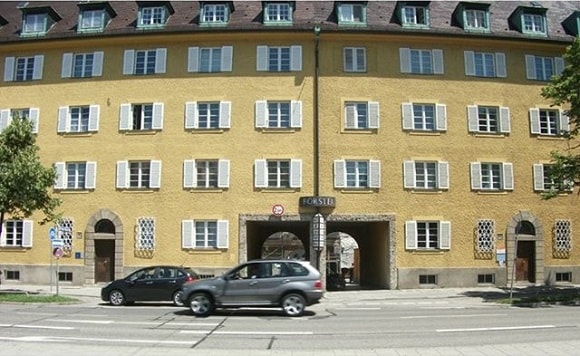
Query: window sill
138, 190
355, 190
364, 131
206, 250
491, 134
427, 251
140, 132
14, 248
206, 131
550, 137
205, 190
277, 190
493, 192
77, 134
434, 191
277, 130
73, 191
425, 133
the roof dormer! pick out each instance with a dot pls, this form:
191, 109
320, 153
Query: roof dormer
94, 16
530, 20
36, 21
153, 14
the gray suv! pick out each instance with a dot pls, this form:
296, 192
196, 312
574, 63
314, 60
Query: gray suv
289, 284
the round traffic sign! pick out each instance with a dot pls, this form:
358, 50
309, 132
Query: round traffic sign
57, 252
278, 209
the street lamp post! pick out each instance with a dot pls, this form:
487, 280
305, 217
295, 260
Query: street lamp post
318, 236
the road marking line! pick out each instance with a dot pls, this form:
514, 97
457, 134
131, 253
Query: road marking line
82, 321
248, 332
155, 323
499, 328
61, 339
43, 327
451, 316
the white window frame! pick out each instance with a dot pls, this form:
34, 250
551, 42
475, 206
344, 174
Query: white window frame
35, 24
130, 61
355, 59
262, 173
471, 64
69, 62
211, 14
476, 19
145, 235
532, 67
64, 119
127, 117
539, 126
277, 12
62, 176
192, 121
485, 236
443, 235
263, 58
263, 114
22, 239
481, 170
196, 61
7, 115
476, 122
91, 20
440, 176
188, 234
152, 16
541, 182
408, 116
410, 16
354, 119
33, 71
435, 56
533, 26
373, 174
190, 174
347, 13
123, 175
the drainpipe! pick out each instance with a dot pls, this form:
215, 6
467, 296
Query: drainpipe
316, 118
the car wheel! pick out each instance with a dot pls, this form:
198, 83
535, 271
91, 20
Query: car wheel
116, 297
293, 304
201, 304
176, 298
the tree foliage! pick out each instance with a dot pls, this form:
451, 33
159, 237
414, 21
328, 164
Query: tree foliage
564, 90
24, 182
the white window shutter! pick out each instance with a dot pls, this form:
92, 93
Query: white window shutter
296, 114
128, 61
3, 235
5, 119
500, 65
475, 168
472, 118
564, 122
27, 229
469, 59
34, 115
410, 235
438, 63
504, 119
66, 70
339, 174
261, 113
350, 117
530, 67
94, 112
91, 175
443, 172
189, 174
295, 173
60, 182
374, 115
187, 234
122, 174
535, 120
538, 177
441, 110
262, 58
155, 178
191, 121
445, 235
407, 112
223, 173
193, 59
98, 63
63, 121
157, 116
225, 114
160, 60
374, 174
508, 176
558, 65
260, 174
222, 234
409, 174
227, 58
9, 69
125, 117
38, 66
295, 58
405, 59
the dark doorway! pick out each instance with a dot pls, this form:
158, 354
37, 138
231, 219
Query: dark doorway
104, 260
525, 261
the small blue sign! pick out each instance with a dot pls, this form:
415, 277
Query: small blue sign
52, 233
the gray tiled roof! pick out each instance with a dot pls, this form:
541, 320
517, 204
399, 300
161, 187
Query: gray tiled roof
247, 15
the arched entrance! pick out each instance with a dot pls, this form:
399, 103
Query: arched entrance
525, 244
342, 261
283, 245
103, 247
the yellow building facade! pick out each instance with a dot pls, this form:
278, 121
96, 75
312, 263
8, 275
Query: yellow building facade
192, 133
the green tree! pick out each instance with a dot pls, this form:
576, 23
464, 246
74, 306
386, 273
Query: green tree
564, 90
24, 181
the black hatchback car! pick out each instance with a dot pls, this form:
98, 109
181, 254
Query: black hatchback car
151, 284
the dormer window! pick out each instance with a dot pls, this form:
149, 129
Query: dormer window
352, 13
414, 14
153, 14
534, 23
278, 12
571, 24
472, 16
215, 14
34, 24
94, 16
530, 20
37, 21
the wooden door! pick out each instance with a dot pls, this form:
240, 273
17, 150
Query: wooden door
102, 269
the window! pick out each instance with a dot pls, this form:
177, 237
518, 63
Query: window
35, 24
145, 234
206, 173
65, 276
492, 176
548, 122
421, 61
361, 115
207, 115
534, 23
12, 275
210, 60
144, 62
488, 119
138, 174
355, 174
424, 117
141, 117
20, 69
279, 59
544, 180
476, 19
351, 14
78, 119
563, 235
7, 115
430, 279
426, 175
278, 173
415, 16
543, 68
485, 235
488, 278
355, 59
490, 65
278, 114
214, 14
204, 234
152, 16
563, 276
275, 13
82, 65
75, 175
16, 233
65, 230
427, 235
92, 20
